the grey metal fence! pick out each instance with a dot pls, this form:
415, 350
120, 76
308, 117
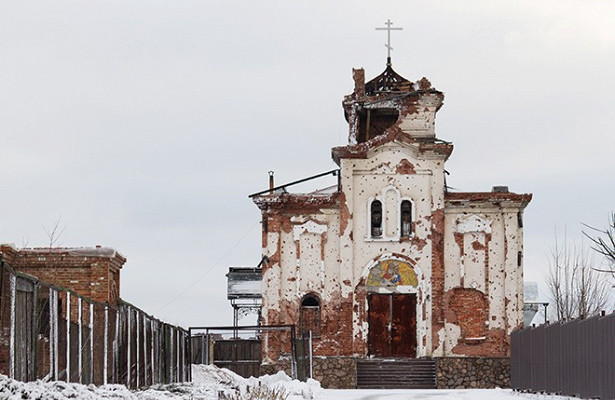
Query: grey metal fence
576, 358
47, 332
241, 349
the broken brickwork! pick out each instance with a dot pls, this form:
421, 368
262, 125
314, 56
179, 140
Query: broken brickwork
53, 332
457, 256
94, 273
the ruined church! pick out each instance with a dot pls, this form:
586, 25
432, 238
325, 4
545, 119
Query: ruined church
391, 264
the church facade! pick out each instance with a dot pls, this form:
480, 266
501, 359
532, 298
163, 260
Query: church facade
390, 263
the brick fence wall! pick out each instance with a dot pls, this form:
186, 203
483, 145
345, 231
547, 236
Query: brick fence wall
91, 272
50, 332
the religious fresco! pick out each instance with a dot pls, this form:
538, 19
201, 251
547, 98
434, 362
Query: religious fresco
392, 273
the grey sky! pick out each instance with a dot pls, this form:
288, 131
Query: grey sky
145, 124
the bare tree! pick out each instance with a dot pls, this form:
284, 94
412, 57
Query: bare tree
604, 243
54, 233
577, 290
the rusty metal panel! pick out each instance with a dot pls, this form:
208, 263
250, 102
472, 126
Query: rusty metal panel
379, 337
403, 326
392, 325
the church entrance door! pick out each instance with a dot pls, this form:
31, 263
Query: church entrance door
392, 325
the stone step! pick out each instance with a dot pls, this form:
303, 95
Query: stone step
396, 373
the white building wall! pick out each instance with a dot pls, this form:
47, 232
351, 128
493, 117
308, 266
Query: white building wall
330, 250
378, 177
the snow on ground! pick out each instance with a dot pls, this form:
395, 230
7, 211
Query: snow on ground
433, 394
208, 383
227, 381
211, 383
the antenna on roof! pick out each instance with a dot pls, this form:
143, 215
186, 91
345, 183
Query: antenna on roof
388, 45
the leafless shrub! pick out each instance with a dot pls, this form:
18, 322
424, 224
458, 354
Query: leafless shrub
603, 242
260, 392
577, 290
54, 233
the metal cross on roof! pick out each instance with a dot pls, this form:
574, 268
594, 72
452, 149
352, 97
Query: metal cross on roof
388, 45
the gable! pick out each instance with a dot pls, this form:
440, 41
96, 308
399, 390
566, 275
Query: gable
422, 149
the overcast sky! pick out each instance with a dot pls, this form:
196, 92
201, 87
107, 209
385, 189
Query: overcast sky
144, 125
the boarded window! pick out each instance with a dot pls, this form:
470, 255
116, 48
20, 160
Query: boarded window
310, 315
406, 218
376, 218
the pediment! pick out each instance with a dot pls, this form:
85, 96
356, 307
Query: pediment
473, 223
410, 150
418, 149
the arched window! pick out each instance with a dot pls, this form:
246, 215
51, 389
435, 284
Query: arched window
309, 319
406, 218
376, 218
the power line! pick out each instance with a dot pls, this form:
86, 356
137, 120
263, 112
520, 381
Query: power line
208, 270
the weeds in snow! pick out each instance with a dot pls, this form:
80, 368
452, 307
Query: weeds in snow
259, 392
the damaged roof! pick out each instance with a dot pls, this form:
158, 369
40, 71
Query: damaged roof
388, 81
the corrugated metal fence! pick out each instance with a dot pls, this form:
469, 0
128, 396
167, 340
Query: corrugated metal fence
576, 358
47, 332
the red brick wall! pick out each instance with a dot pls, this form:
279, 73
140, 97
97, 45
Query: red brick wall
468, 308
92, 273
94, 276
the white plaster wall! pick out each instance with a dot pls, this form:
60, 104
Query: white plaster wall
348, 254
422, 122
272, 277
504, 276
331, 278
513, 285
307, 271
497, 273
473, 261
288, 266
376, 178
294, 275
271, 284
520, 289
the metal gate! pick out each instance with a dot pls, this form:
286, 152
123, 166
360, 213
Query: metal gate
303, 346
240, 349
242, 356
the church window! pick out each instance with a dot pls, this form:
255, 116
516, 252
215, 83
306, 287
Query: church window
406, 218
376, 218
310, 315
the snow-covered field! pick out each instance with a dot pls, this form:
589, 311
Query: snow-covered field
210, 383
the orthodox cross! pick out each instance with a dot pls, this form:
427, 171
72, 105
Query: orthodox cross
388, 45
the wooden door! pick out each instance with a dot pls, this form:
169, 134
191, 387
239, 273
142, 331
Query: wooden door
392, 325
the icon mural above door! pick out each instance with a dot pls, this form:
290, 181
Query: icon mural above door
392, 273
